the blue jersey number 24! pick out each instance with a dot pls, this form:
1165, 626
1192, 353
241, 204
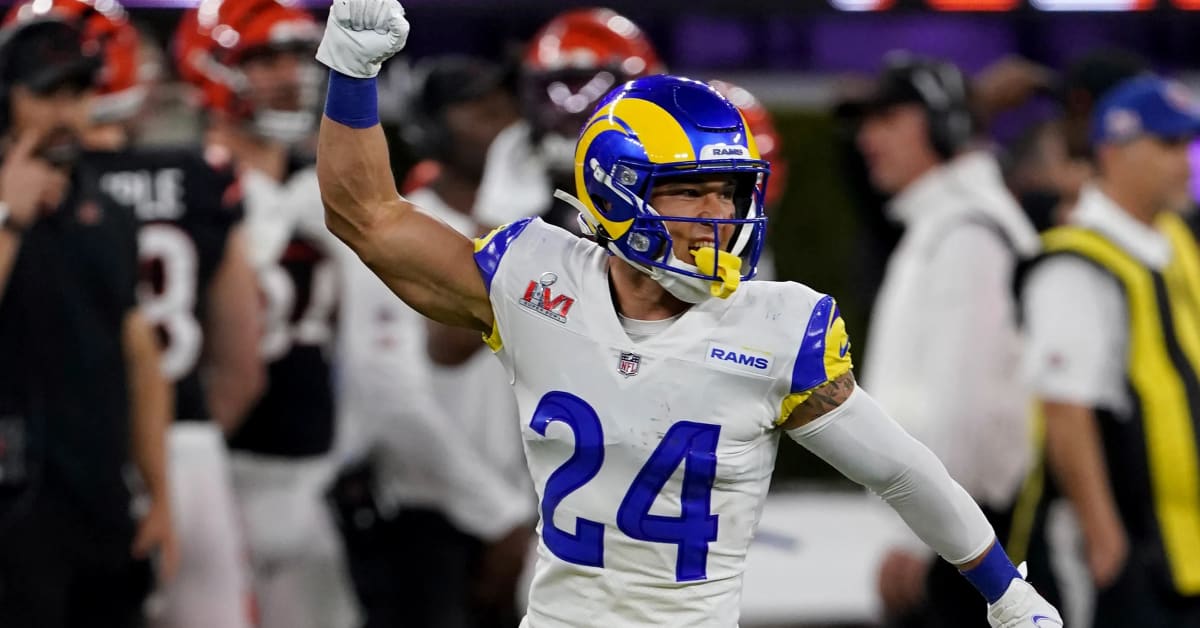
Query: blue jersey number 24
686, 442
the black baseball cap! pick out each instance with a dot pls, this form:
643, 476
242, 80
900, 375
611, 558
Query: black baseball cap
909, 79
46, 55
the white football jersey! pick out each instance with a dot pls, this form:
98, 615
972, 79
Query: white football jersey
651, 459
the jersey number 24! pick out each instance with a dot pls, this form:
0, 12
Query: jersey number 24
692, 444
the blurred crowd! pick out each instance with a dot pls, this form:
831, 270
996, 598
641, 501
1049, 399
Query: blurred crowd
213, 415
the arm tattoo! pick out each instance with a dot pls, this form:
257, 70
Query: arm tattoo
824, 398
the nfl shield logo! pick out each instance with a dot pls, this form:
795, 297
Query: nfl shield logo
628, 366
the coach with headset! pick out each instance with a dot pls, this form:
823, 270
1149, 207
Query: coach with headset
944, 351
81, 396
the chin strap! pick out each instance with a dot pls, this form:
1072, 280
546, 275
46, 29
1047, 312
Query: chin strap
585, 225
723, 264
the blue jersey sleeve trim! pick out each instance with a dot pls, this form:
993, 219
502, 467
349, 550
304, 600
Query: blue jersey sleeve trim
809, 370
490, 249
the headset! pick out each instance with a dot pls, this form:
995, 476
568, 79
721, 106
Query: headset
943, 90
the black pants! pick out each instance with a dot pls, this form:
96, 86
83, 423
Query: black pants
1137, 599
58, 571
414, 569
419, 570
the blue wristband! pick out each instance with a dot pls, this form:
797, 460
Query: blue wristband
352, 101
993, 575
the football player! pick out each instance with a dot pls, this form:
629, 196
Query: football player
199, 292
572, 61
250, 61
653, 386
81, 393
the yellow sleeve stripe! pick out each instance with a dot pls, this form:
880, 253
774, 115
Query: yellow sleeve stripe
790, 403
818, 362
838, 361
492, 340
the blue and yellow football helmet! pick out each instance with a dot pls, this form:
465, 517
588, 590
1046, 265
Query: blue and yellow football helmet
657, 127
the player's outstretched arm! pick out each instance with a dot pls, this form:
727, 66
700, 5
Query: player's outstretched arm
842, 425
429, 265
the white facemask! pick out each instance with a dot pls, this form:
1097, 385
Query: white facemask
292, 126
285, 127
118, 106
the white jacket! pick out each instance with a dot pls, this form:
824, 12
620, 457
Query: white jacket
944, 353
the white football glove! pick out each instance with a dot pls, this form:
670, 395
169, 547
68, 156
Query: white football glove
1022, 607
361, 34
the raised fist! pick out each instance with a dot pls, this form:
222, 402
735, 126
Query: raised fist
361, 34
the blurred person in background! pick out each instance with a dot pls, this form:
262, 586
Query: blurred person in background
197, 289
1003, 85
946, 311
81, 393
568, 65
1043, 176
1114, 352
1050, 163
251, 62
1037, 165
1047, 170
770, 147
460, 106
434, 412
1086, 80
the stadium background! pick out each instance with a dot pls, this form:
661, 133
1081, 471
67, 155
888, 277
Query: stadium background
799, 57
